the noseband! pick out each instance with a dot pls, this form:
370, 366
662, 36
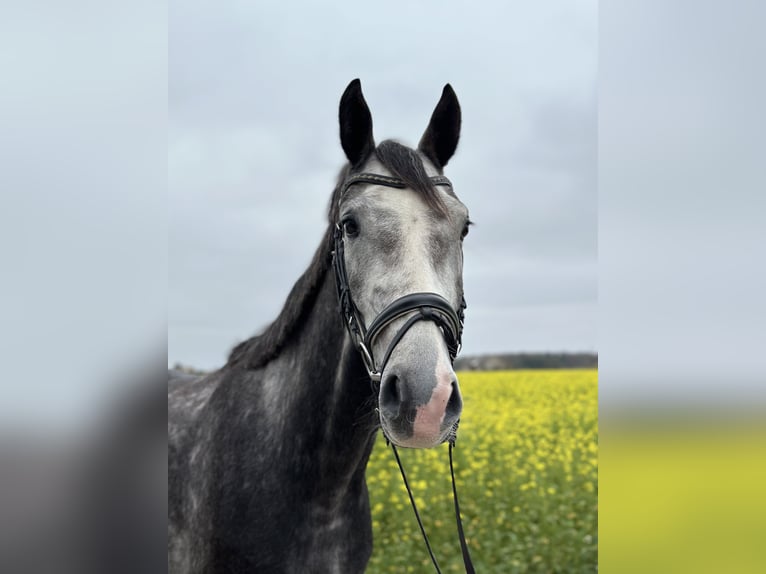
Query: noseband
427, 306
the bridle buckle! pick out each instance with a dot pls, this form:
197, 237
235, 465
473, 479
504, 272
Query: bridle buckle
369, 363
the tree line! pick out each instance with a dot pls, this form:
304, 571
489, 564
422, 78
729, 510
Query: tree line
510, 361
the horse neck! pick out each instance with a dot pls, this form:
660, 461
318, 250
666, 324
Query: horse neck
328, 391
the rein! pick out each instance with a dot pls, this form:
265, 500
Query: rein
426, 307
463, 546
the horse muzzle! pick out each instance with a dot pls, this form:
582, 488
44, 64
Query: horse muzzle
418, 411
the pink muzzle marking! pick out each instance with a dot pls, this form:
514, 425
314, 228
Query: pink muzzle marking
429, 417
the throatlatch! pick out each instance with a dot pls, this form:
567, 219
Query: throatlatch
426, 307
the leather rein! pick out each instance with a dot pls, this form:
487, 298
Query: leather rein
422, 307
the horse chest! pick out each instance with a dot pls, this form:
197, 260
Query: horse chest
331, 545
302, 543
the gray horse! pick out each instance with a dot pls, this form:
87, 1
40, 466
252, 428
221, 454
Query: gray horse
267, 455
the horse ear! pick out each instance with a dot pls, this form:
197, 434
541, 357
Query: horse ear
355, 124
443, 132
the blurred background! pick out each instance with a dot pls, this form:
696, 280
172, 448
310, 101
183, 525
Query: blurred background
238, 102
682, 319
83, 255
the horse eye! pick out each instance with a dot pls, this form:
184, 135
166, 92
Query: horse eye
350, 228
465, 229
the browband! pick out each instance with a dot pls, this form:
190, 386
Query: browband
387, 181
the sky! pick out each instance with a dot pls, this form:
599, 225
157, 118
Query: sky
83, 209
253, 152
682, 316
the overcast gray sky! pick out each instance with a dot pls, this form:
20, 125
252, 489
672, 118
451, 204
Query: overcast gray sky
254, 151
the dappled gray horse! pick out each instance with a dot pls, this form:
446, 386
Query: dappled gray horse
267, 455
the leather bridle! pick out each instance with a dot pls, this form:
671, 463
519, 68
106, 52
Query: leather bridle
426, 307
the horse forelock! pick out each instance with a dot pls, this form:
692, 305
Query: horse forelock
406, 164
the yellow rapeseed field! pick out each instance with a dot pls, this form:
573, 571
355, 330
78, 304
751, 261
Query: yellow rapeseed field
527, 473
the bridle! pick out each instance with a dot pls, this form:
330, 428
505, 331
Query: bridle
424, 307
427, 306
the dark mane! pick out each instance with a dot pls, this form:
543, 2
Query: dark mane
257, 351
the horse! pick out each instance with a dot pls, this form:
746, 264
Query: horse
267, 455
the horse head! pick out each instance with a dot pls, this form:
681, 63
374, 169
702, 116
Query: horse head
399, 230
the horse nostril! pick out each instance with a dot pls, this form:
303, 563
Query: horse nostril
455, 403
390, 394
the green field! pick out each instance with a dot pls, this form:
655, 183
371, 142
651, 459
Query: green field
527, 473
